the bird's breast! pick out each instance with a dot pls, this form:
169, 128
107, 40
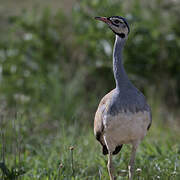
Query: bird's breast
126, 126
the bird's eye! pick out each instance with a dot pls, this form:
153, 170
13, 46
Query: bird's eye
116, 21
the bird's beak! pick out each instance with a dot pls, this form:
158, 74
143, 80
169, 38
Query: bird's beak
104, 19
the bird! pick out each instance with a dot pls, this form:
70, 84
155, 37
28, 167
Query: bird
123, 115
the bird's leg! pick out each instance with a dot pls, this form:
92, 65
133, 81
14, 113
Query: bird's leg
110, 166
131, 163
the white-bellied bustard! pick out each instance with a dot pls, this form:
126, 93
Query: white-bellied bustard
123, 115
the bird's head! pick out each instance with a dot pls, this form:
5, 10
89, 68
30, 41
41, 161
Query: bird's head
117, 24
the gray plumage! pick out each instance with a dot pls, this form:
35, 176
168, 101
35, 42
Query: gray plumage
126, 96
123, 115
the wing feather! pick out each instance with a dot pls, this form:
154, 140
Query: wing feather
98, 120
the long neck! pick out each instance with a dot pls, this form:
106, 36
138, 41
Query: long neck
120, 75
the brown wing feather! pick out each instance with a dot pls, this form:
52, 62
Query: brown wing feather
98, 120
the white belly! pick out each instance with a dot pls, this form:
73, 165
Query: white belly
126, 127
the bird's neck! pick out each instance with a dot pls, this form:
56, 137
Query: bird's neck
120, 75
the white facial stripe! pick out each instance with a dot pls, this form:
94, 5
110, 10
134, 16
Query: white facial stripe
120, 20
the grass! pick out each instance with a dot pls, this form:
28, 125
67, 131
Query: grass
62, 151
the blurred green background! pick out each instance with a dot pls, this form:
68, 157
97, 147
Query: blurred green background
56, 65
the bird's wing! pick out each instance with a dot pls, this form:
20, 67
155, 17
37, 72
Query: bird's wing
150, 118
98, 120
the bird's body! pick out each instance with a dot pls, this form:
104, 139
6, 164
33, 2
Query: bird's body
120, 126
123, 115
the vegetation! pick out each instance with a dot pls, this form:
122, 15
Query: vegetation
54, 69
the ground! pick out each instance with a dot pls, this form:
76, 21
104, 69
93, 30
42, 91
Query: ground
67, 151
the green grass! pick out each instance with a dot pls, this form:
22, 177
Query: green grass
48, 63
43, 151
